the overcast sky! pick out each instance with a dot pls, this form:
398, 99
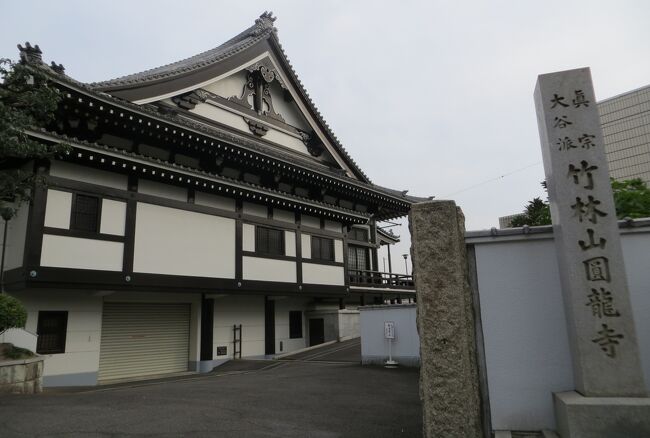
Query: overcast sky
434, 97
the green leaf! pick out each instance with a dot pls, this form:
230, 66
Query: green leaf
27, 101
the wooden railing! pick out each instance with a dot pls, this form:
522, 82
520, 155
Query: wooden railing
380, 279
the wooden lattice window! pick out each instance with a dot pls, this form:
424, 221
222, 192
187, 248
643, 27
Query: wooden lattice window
359, 234
85, 213
358, 258
51, 330
322, 248
269, 241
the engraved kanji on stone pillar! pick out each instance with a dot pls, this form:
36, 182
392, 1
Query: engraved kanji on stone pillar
603, 339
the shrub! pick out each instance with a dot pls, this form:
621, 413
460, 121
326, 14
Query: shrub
16, 353
12, 313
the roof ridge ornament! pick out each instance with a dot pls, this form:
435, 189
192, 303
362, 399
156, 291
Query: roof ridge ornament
57, 68
264, 24
30, 54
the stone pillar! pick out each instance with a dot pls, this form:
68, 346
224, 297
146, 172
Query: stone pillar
605, 352
606, 362
449, 386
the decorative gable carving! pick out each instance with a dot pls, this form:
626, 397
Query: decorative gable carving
255, 107
314, 147
260, 77
189, 100
256, 127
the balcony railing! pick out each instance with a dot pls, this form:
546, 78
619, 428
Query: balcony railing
380, 279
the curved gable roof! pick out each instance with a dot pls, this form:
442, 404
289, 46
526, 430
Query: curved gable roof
263, 30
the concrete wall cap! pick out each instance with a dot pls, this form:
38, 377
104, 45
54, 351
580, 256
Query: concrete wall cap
8, 363
386, 306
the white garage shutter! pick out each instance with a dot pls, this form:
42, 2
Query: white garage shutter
140, 339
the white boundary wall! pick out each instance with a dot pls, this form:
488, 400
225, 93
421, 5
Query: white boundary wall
524, 328
406, 345
19, 338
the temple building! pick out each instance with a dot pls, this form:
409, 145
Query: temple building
205, 212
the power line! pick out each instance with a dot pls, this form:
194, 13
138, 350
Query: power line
493, 179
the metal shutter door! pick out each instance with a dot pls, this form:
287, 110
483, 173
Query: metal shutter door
141, 339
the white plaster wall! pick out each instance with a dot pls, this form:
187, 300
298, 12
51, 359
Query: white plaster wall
284, 215
306, 245
309, 221
525, 337
222, 116
84, 328
349, 324
232, 85
177, 242
88, 175
154, 188
216, 201
255, 209
282, 308
288, 110
290, 243
313, 273
636, 248
286, 140
338, 251
113, 217
16, 235
245, 310
75, 252
19, 337
263, 269
58, 208
524, 327
406, 345
248, 237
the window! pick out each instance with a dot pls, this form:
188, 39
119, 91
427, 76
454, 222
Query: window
359, 234
295, 324
269, 241
358, 258
85, 213
359, 264
322, 248
51, 332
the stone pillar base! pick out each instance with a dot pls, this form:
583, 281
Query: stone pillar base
601, 417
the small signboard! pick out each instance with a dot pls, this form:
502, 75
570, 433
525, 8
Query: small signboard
222, 350
389, 329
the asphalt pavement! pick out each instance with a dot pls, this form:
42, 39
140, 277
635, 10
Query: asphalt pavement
261, 399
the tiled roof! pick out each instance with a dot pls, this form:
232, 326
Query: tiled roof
544, 231
387, 235
198, 173
259, 31
234, 139
262, 29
